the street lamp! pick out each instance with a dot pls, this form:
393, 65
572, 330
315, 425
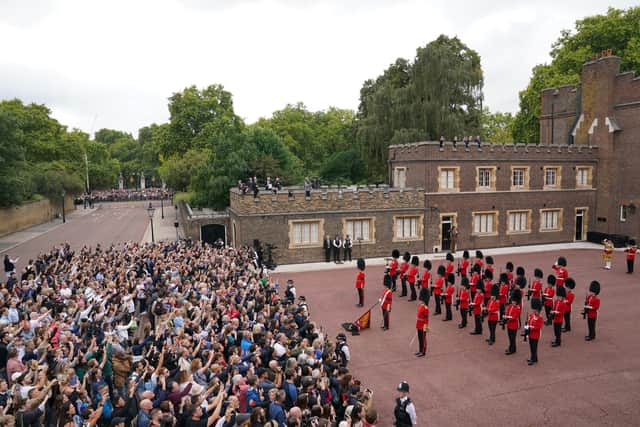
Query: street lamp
150, 211
175, 224
162, 205
360, 245
64, 218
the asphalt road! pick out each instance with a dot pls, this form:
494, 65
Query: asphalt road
465, 382
109, 223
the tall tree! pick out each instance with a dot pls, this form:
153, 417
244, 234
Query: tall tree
618, 30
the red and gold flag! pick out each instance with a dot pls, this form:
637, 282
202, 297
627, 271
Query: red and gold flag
364, 321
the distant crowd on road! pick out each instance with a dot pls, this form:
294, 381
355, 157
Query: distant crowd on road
177, 334
124, 195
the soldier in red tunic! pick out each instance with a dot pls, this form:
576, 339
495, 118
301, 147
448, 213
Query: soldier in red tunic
631, 251
560, 269
393, 268
493, 313
479, 259
509, 271
422, 322
448, 296
488, 279
404, 268
535, 291
412, 277
464, 265
476, 307
533, 330
463, 301
504, 292
570, 285
489, 265
475, 278
360, 282
426, 275
591, 307
547, 297
511, 318
438, 287
449, 267
385, 302
558, 315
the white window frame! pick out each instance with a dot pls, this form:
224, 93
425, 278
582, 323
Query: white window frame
544, 220
448, 179
623, 213
521, 218
484, 174
298, 228
520, 183
407, 227
355, 227
481, 222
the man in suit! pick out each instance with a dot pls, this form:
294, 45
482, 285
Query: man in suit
337, 244
348, 245
328, 244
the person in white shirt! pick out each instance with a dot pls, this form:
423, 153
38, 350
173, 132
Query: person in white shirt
405, 411
280, 348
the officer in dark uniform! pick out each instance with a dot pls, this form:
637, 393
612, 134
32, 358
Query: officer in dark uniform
405, 411
328, 244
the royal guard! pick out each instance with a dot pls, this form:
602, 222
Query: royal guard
393, 268
449, 267
504, 292
426, 275
547, 297
570, 285
521, 283
476, 309
533, 330
475, 278
479, 260
488, 279
464, 265
463, 301
360, 282
438, 287
591, 307
448, 296
607, 253
404, 268
558, 315
489, 265
412, 277
535, 291
493, 313
632, 250
560, 269
509, 271
386, 299
422, 323
512, 320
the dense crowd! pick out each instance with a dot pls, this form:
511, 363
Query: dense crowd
116, 195
174, 334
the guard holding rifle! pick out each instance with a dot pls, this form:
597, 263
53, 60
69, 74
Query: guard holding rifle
476, 307
533, 329
560, 268
412, 277
463, 301
493, 313
385, 301
404, 267
591, 307
449, 267
438, 287
448, 297
393, 268
422, 322
558, 315
464, 265
360, 281
570, 285
547, 297
511, 319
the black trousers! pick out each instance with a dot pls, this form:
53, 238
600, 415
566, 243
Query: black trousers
347, 254
478, 320
557, 331
336, 254
463, 314
393, 281
327, 255
414, 295
385, 318
403, 282
492, 330
449, 314
547, 310
629, 266
567, 321
512, 339
533, 347
422, 341
438, 307
501, 310
360, 296
591, 325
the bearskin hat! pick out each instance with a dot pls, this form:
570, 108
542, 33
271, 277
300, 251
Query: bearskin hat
509, 266
415, 261
516, 296
536, 304
395, 253
387, 281
551, 279
424, 295
465, 254
477, 268
632, 242
465, 282
480, 287
406, 256
570, 283
427, 264
360, 264
488, 274
451, 278
520, 271
504, 278
562, 261
441, 270
521, 281
594, 287
489, 259
495, 290
449, 256
538, 273
561, 291
479, 254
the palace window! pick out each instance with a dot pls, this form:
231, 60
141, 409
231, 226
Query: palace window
305, 233
551, 220
486, 178
519, 221
485, 222
359, 229
448, 179
407, 227
551, 177
584, 177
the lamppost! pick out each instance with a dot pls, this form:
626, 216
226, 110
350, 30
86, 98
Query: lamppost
360, 245
162, 205
175, 224
64, 218
150, 211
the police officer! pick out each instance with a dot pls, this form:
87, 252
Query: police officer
405, 411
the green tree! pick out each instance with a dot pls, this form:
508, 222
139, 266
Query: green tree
273, 157
344, 167
177, 170
109, 136
13, 184
618, 30
497, 127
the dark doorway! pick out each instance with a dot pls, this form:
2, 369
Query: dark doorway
580, 224
211, 232
447, 222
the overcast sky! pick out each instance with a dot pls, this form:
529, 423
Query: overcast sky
114, 63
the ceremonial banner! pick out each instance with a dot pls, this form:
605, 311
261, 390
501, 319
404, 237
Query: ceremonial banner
364, 321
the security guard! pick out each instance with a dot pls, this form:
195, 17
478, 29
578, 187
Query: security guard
405, 411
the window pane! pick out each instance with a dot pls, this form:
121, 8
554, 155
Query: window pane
314, 232
365, 230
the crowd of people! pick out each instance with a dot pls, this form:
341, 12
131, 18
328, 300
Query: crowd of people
124, 195
252, 186
173, 334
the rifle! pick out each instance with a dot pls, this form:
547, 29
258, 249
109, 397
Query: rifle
585, 310
525, 332
458, 272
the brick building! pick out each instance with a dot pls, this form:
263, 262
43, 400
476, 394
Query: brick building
579, 182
